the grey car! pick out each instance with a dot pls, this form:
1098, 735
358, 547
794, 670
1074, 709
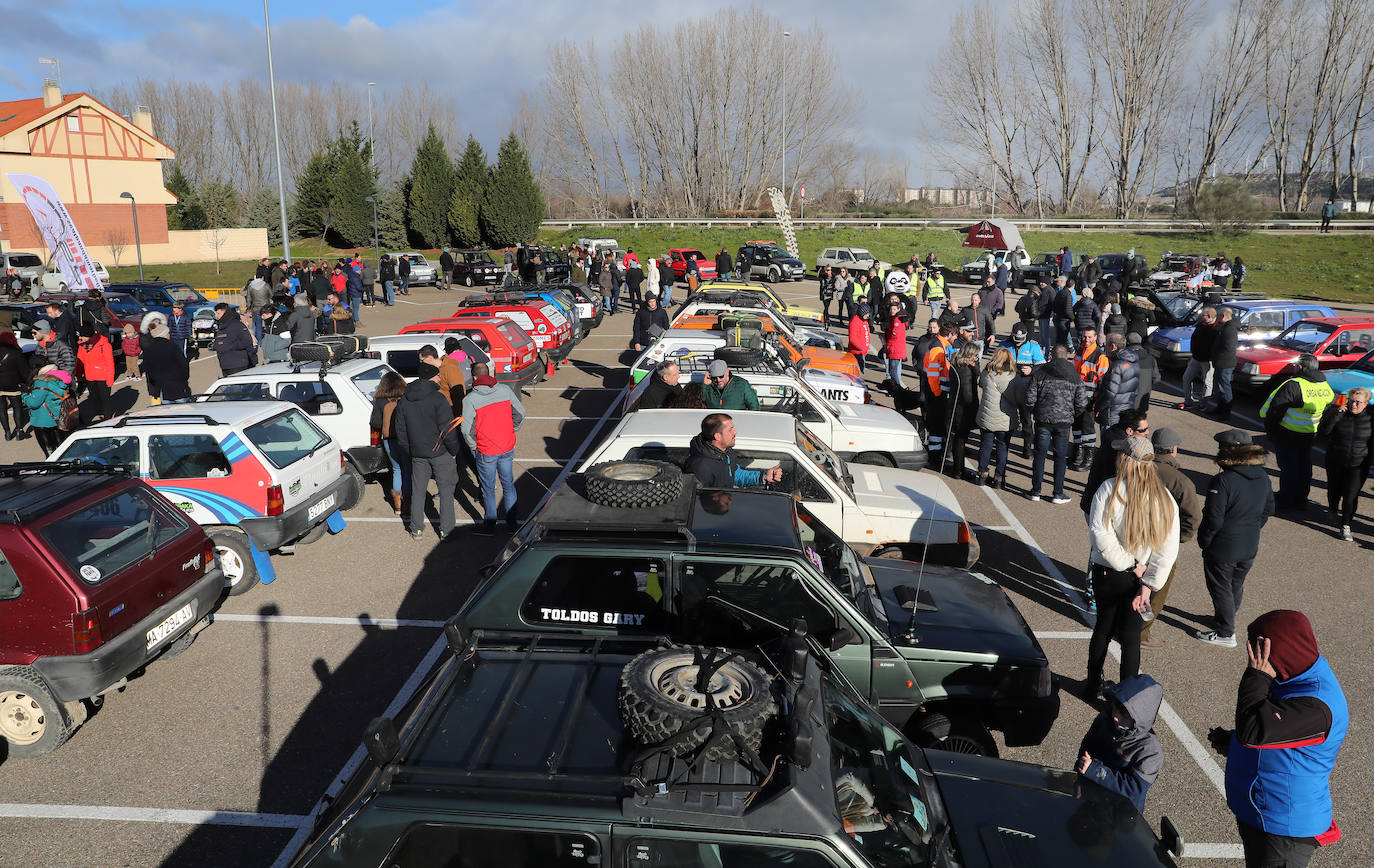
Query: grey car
21, 271
421, 271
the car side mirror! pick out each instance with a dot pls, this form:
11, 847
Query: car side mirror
841, 637
1170, 838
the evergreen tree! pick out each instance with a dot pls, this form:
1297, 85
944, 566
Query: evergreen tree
513, 206
391, 220
431, 188
312, 195
263, 211
179, 186
469, 187
349, 186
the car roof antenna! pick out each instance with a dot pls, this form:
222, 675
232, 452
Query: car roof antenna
930, 519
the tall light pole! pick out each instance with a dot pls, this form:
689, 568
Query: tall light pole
785, 197
276, 136
137, 244
371, 165
376, 246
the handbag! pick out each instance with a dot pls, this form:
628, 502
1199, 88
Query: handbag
68, 414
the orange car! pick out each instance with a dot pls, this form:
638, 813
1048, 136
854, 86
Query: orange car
821, 358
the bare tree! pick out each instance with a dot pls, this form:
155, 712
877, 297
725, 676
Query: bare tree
1364, 104
1133, 50
116, 238
1286, 50
1067, 136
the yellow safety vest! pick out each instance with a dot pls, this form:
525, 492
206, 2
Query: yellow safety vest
1304, 418
858, 291
935, 285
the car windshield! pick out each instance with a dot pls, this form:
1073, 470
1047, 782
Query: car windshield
823, 458
860, 253
1180, 307
286, 438
124, 304
1304, 337
186, 293
878, 790
480, 258
830, 554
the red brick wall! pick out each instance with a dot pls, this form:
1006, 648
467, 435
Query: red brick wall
94, 222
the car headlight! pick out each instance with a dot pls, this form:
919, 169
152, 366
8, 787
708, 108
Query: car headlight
1174, 346
1250, 368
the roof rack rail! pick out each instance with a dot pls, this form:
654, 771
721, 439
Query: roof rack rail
68, 468
126, 419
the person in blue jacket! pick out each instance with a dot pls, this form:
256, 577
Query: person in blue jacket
1121, 751
1291, 719
713, 461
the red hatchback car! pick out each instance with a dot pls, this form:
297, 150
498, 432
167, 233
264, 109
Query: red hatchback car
549, 328
706, 267
514, 356
99, 576
1336, 341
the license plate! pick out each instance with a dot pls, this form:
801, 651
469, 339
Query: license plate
320, 508
174, 622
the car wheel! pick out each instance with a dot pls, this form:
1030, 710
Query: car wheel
958, 735
234, 554
658, 696
359, 485
876, 459
891, 553
62, 287
774, 275
31, 719
633, 484
467, 280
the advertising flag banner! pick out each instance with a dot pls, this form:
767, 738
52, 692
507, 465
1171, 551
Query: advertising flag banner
58, 230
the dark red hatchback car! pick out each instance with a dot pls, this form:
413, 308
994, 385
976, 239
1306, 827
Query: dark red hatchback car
99, 576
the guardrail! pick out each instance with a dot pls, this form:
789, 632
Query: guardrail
1072, 225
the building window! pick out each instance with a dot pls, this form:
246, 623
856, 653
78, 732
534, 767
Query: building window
73, 124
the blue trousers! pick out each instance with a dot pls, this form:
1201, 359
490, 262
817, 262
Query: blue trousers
1045, 439
489, 467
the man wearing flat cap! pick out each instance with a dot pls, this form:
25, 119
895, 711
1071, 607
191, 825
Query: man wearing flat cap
725, 391
1239, 502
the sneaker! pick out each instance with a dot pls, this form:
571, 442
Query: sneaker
1060, 499
418, 533
1091, 605
1035, 498
1212, 637
1346, 534
443, 534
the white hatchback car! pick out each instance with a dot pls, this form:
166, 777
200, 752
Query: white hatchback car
258, 475
881, 512
401, 353
421, 271
338, 398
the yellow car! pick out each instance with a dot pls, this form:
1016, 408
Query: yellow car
797, 313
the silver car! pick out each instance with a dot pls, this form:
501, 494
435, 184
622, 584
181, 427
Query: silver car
420, 269
853, 258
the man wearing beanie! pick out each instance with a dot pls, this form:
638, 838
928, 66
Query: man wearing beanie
425, 425
1291, 718
1239, 502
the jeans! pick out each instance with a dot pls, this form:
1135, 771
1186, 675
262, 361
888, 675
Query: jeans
1116, 619
405, 285
401, 467
1268, 850
257, 331
1221, 382
1047, 335
489, 467
445, 474
615, 297
667, 299
1225, 582
356, 303
1063, 334
1045, 439
999, 439
389, 291
936, 305
1294, 457
894, 370
1197, 380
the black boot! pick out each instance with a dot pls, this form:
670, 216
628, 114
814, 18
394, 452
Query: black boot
1075, 454
1086, 456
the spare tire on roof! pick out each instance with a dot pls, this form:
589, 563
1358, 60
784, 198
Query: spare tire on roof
662, 703
740, 357
633, 484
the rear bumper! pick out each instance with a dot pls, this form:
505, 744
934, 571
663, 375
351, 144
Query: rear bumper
81, 676
560, 353
526, 376
368, 460
273, 532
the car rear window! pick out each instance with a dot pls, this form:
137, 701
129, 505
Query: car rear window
114, 534
518, 339
368, 381
119, 451
24, 260
554, 315
286, 438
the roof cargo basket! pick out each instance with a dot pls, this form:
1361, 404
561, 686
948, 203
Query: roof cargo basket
328, 349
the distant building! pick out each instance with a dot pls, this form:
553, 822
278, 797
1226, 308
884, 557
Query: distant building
946, 195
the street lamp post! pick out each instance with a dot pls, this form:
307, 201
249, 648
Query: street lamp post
785, 197
276, 136
138, 245
371, 165
376, 246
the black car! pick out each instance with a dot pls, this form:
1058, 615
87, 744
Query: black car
1043, 267
769, 262
473, 267
1124, 267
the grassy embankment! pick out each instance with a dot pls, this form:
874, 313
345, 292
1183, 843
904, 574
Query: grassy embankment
1332, 267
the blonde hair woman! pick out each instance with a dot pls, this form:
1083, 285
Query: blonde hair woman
995, 410
1133, 523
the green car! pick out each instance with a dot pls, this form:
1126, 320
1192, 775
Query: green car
561, 751
942, 652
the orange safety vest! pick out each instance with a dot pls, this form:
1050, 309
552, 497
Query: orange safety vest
1092, 364
936, 367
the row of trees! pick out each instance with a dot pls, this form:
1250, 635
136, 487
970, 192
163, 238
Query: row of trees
1064, 101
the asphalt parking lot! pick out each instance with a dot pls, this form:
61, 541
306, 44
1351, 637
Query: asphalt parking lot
216, 758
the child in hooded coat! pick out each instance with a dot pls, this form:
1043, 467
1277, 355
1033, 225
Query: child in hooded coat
1121, 751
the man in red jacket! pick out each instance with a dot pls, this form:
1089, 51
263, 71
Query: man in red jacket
491, 415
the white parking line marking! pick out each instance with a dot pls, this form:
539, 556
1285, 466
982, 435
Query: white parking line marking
1176, 725
358, 621
1063, 634
993, 527
153, 815
1213, 851
407, 690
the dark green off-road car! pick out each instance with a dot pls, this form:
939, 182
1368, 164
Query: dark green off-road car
943, 653
562, 751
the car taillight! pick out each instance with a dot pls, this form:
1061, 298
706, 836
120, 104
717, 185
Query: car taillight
965, 535
208, 555
376, 438
343, 462
85, 631
275, 504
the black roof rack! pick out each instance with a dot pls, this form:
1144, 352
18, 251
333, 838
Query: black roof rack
28, 490
169, 417
569, 510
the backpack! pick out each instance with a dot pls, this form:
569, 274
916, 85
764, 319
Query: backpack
69, 414
1025, 307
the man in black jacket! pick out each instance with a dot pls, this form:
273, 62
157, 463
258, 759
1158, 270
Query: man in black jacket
1239, 502
713, 461
1224, 364
650, 322
403, 272
1149, 371
1197, 379
1129, 423
725, 267
446, 269
663, 387
1056, 397
426, 428
1089, 274
233, 343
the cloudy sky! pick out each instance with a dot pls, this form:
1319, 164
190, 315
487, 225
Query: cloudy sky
487, 51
